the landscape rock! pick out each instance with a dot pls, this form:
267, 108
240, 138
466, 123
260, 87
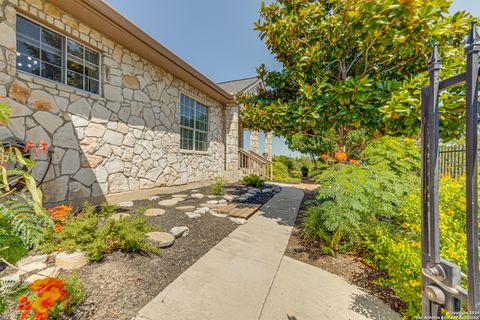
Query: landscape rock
178, 232
71, 261
203, 209
219, 215
212, 201
9, 281
228, 197
222, 201
267, 190
32, 259
161, 239
169, 202
208, 205
193, 215
126, 204
180, 196
211, 196
154, 212
254, 191
238, 220
198, 195
153, 198
47, 273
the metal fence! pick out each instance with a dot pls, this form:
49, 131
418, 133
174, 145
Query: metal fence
452, 161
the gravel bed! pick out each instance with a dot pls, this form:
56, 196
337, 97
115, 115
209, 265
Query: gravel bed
121, 284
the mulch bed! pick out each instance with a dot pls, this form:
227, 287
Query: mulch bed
349, 267
121, 284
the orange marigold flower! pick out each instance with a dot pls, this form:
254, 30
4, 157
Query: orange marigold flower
44, 285
341, 156
40, 315
24, 304
58, 228
325, 156
355, 162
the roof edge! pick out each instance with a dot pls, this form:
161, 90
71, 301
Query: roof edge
103, 18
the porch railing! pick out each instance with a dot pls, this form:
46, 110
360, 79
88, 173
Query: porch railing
253, 163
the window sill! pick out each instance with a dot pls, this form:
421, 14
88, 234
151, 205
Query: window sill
200, 153
57, 85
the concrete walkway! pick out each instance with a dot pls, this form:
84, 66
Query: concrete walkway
246, 276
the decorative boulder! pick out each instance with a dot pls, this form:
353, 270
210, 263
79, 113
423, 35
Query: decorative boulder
178, 232
161, 239
71, 261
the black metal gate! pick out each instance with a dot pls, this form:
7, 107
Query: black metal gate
441, 280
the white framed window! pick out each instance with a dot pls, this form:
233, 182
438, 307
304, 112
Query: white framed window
193, 125
49, 55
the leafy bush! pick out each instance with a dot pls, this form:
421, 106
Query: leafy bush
396, 248
217, 186
252, 180
304, 171
281, 173
401, 155
350, 198
97, 234
76, 295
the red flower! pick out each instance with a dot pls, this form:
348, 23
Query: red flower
28, 146
43, 145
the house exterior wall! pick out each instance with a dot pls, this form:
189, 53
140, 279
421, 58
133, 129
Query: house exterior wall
125, 139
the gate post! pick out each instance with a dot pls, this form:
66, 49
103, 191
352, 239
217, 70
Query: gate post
472, 50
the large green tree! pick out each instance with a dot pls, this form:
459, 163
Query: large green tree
354, 64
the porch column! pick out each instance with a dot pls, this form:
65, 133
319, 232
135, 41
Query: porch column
254, 144
231, 142
268, 145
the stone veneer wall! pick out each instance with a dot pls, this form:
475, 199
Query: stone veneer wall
126, 139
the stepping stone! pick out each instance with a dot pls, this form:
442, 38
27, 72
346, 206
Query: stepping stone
119, 216
169, 202
193, 215
31, 259
31, 267
211, 196
154, 212
178, 232
71, 261
218, 215
185, 208
194, 191
126, 204
238, 220
47, 273
180, 196
153, 198
212, 201
198, 195
162, 239
202, 210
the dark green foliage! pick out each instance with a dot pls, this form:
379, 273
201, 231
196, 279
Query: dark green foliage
252, 180
97, 235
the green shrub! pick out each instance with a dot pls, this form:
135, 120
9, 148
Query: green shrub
349, 199
217, 186
98, 235
304, 171
395, 248
252, 180
282, 174
402, 156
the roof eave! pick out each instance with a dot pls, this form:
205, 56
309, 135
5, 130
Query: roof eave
112, 24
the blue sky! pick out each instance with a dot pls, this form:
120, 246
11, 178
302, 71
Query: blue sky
216, 36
